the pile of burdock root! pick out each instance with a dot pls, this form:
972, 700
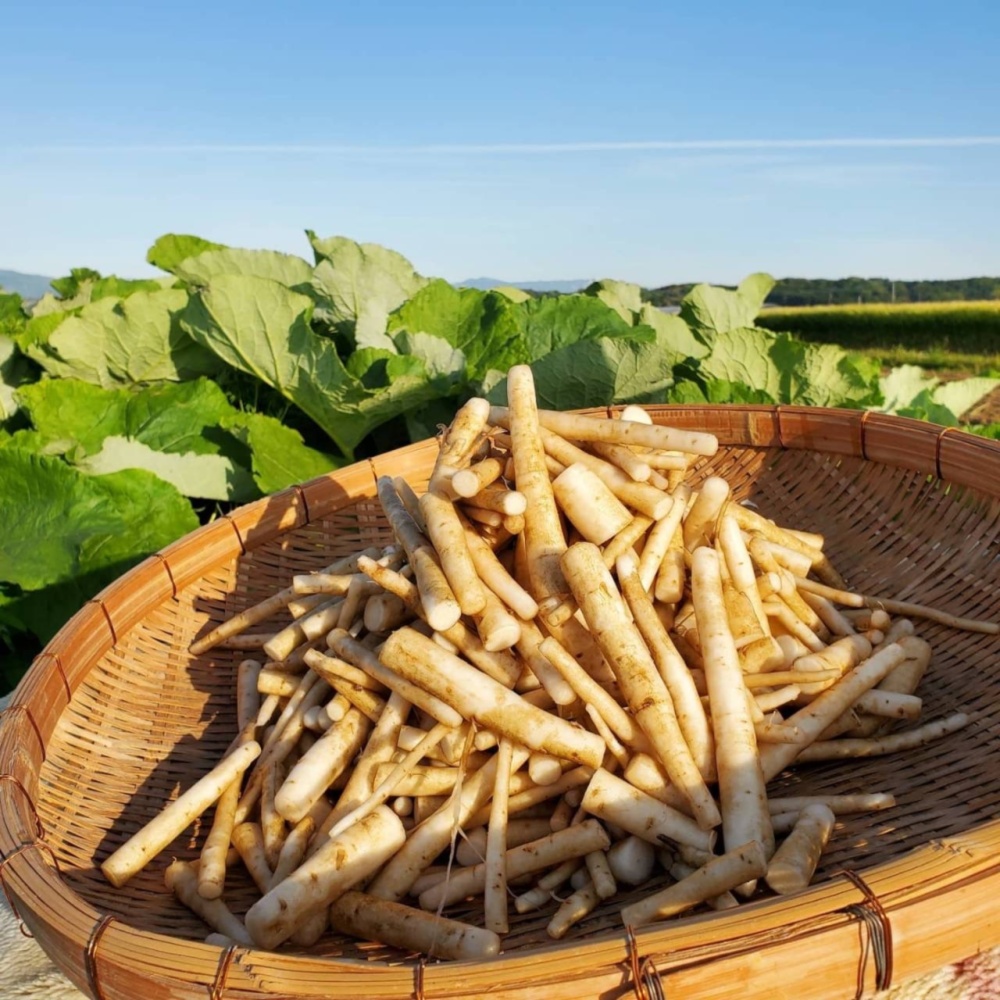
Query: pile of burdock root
571, 671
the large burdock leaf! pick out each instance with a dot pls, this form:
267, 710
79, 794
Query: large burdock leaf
68, 534
173, 248
486, 327
710, 310
279, 456
763, 366
742, 356
622, 296
262, 328
673, 331
910, 391
599, 372
962, 394
555, 322
357, 286
285, 268
177, 431
60, 522
114, 341
15, 370
73, 415
902, 384
212, 477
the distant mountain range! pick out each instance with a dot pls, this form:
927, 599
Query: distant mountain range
34, 286
484, 284
28, 286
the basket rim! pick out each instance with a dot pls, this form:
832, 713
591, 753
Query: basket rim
28, 878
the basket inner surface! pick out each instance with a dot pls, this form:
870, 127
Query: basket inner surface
150, 719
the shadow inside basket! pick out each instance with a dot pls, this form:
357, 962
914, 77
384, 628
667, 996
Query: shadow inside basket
150, 719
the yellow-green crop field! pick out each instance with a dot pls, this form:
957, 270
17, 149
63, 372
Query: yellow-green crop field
906, 332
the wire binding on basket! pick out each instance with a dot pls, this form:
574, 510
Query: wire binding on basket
937, 449
878, 938
62, 672
418, 979
3, 881
34, 725
107, 618
232, 524
301, 494
90, 954
222, 972
651, 981
16, 782
169, 572
646, 982
865, 414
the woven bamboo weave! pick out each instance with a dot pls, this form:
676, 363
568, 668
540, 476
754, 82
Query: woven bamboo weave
115, 717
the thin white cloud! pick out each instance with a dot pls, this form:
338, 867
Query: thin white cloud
531, 148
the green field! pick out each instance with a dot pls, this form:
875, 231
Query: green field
958, 336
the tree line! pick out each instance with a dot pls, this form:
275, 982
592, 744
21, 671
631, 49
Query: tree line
850, 291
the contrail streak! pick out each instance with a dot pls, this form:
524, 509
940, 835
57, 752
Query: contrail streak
529, 148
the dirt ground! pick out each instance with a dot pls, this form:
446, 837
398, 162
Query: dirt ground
987, 411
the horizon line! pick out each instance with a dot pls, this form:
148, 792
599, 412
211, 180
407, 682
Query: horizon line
532, 148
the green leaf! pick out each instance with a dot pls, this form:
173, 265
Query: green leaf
74, 414
122, 288
923, 407
285, 268
358, 285
262, 328
13, 318
779, 369
673, 331
716, 391
15, 370
29, 440
623, 297
439, 358
710, 310
76, 534
33, 337
511, 292
754, 289
212, 477
176, 431
49, 303
75, 283
909, 391
61, 523
554, 322
991, 431
280, 458
902, 385
962, 395
486, 327
178, 417
133, 340
686, 391
170, 250
598, 372
824, 374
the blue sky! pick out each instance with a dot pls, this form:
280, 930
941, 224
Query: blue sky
654, 142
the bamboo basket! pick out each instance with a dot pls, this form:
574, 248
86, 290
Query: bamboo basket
115, 716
